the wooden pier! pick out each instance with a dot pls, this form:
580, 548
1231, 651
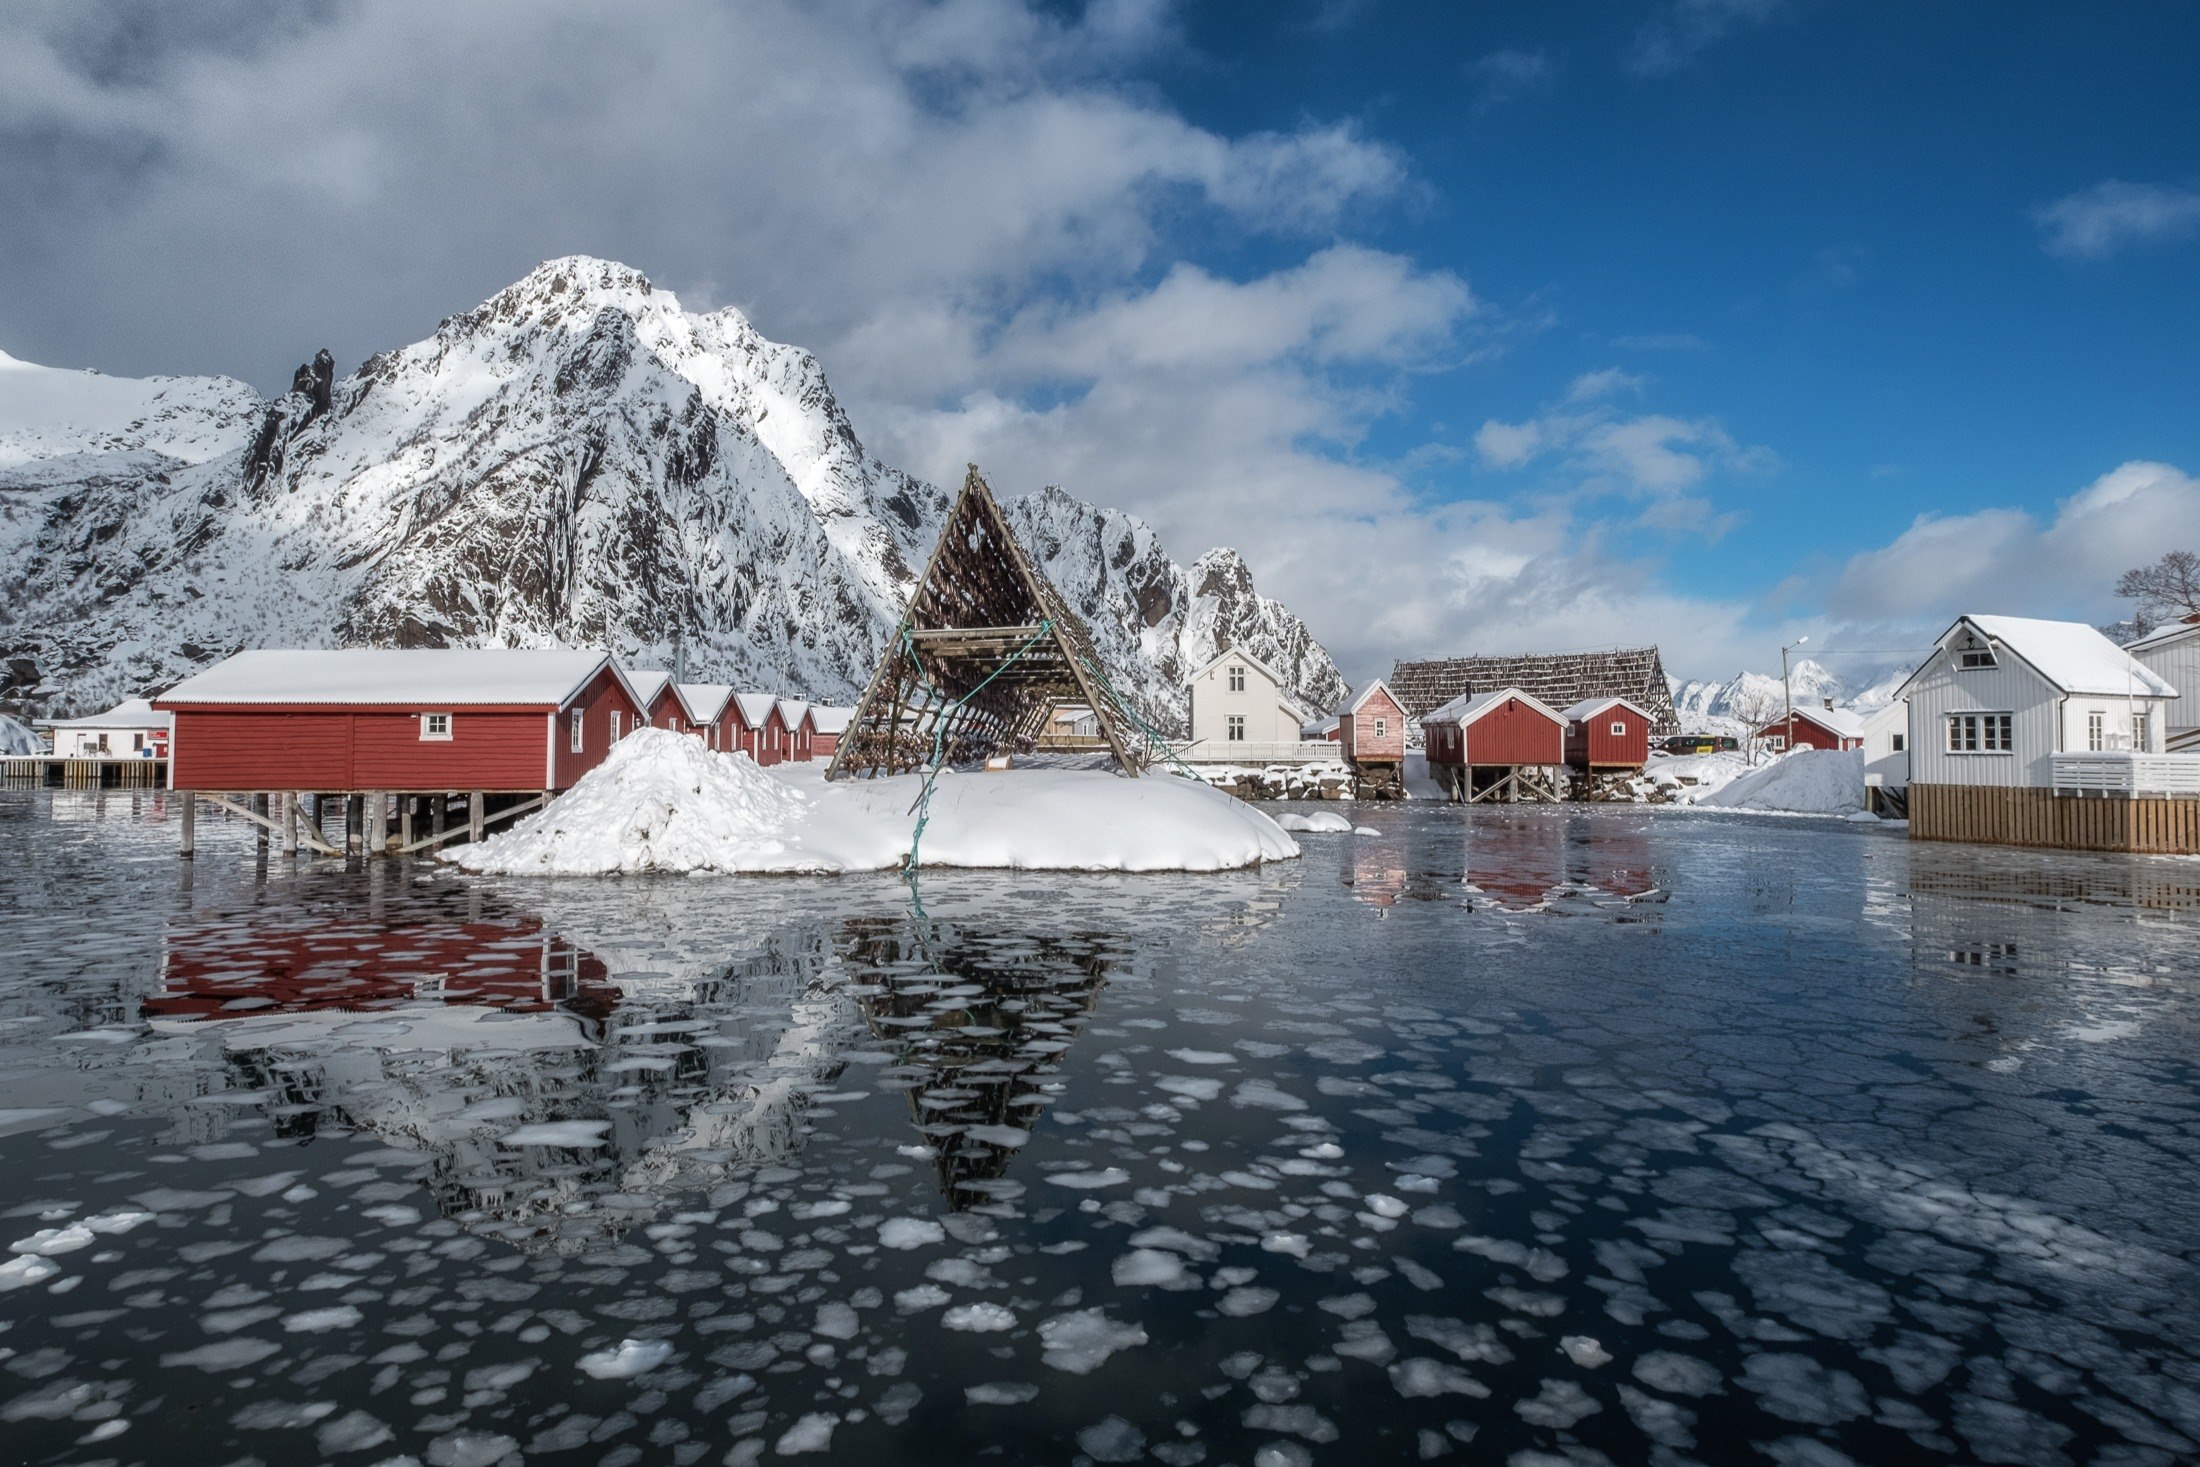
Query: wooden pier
367, 822
83, 772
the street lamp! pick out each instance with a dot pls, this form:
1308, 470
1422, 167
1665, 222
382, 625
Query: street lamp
1787, 695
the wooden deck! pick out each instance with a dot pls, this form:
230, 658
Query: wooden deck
2143, 825
87, 772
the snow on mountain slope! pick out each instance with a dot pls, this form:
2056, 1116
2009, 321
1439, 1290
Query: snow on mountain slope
577, 460
1724, 708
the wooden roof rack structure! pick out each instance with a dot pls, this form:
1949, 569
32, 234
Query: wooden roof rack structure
983, 656
1560, 679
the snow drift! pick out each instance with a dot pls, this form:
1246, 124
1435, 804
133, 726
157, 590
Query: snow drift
663, 802
1806, 782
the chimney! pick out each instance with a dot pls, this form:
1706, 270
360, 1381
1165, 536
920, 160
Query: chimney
1829, 704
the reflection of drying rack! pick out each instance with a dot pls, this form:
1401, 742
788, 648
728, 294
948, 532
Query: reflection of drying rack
978, 1034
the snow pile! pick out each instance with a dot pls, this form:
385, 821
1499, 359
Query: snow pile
663, 802
16, 738
1319, 823
1693, 778
1806, 782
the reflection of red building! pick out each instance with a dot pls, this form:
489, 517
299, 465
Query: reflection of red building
226, 970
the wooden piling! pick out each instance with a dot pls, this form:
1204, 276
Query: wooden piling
476, 815
190, 820
378, 823
290, 822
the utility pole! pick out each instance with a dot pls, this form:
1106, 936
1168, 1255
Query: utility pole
1787, 695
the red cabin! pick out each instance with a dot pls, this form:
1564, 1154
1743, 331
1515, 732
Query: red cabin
827, 725
1372, 727
660, 700
1815, 728
1607, 734
710, 714
1495, 745
478, 719
801, 731
764, 727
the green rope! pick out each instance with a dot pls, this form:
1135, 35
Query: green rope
923, 806
1153, 735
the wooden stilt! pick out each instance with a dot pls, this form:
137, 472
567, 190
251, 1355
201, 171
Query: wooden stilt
259, 808
476, 809
378, 823
354, 817
290, 822
405, 805
438, 805
190, 821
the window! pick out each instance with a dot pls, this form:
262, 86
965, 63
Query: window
1619, 730
1237, 679
614, 725
1975, 657
2096, 731
1897, 741
1981, 733
2139, 733
574, 738
435, 725
1236, 724
1777, 742
1382, 728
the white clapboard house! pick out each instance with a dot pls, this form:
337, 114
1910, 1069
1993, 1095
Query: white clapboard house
1887, 748
2172, 653
1241, 714
2013, 720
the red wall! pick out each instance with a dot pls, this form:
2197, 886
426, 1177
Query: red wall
768, 744
1514, 733
1357, 731
597, 702
665, 711
1593, 743
1808, 735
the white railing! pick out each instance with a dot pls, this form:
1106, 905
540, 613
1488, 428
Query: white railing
1242, 751
2128, 774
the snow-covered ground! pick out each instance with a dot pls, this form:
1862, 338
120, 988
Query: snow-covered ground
1806, 782
663, 802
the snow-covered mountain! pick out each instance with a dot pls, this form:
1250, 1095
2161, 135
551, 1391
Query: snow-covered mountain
578, 460
1754, 698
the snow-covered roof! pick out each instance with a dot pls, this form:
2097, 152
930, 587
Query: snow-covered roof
1837, 721
2162, 636
2075, 657
791, 711
1591, 707
1377, 686
831, 720
1322, 728
648, 684
755, 707
129, 713
440, 676
703, 701
1470, 706
1896, 712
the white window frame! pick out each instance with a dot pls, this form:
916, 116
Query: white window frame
1233, 728
576, 739
2142, 734
1619, 729
1237, 679
1895, 743
1382, 728
430, 732
1981, 732
2096, 731
614, 725
1976, 659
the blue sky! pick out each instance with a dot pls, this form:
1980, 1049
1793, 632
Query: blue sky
1476, 327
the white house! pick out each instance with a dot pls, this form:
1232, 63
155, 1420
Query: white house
1887, 747
2172, 653
129, 730
1241, 713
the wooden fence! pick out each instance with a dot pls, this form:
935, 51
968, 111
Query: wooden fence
2038, 817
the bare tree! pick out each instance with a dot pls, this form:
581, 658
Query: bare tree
1754, 708
2167, 589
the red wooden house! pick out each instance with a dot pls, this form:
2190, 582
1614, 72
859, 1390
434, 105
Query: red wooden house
1371, 730
828, 724
763, 727
801, 729
1496, 745
1607, 734
660, 700
711, 716
1815, 728
482, 720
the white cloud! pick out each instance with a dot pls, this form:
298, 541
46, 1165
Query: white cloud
1672, 39
2008, 560
2097, 222
1650, 454
1509, 75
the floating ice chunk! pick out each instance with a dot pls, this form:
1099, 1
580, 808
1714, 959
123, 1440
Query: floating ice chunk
1584, 1351
48, 1241
1085, 1181
1241, 1303
1324, 1151
979, 1319
997, 1135
813, 1433
1283, 1454
837, 1320
1000, 1393
470, 1449
1263, 1095
354, 1431
1681, 1375
320, 1321
581, 1134
1113, 1440
1203, 1057
1349, 1306
909, 1232
1321, 822
1558, 1405
1176, 1240
21, 1273
222, 1355
1080, 1341
922, 1297
1365, 830
1383, 1205
1299, 1420
281, 1415
1189, 1087
1294, 1244
1417, 1375
627, 1360
110, 1223
1149, 1268
1797, 1388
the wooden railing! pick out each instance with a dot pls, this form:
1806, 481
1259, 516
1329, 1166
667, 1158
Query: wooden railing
1245, 751
2127, 774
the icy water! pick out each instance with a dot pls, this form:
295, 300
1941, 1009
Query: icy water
1539, 1137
